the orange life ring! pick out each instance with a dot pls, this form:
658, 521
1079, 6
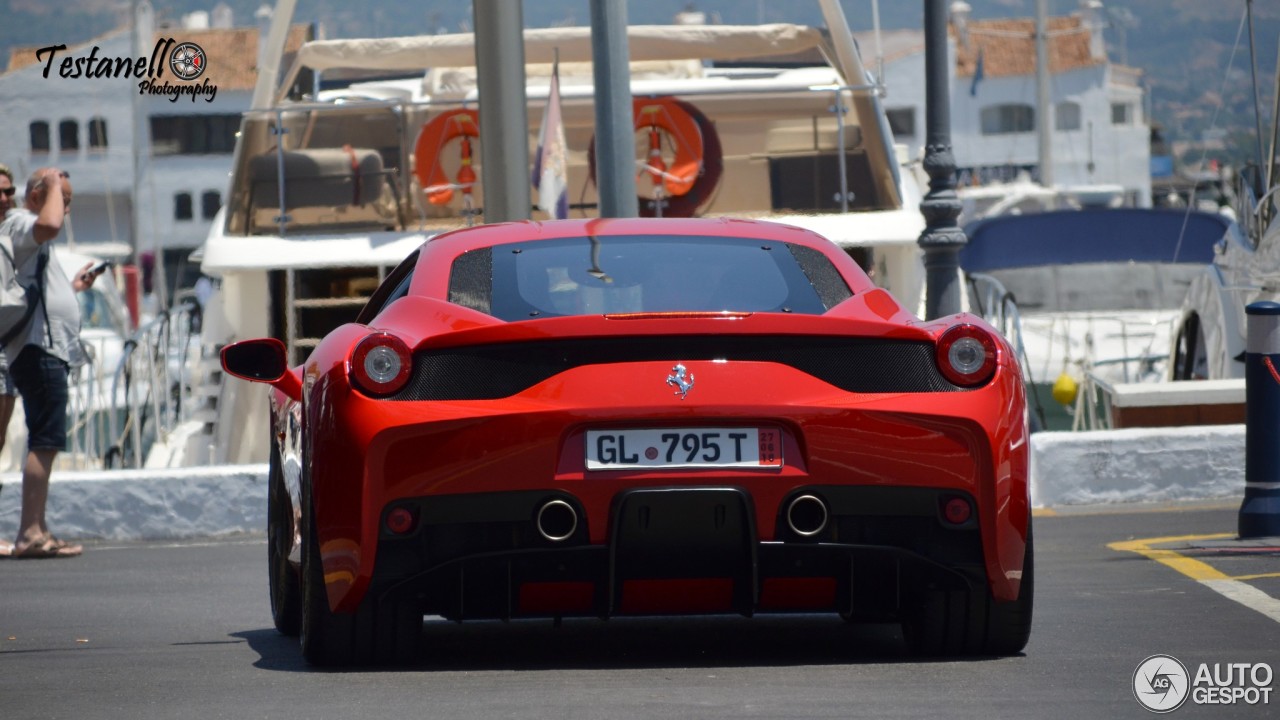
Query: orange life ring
653, 115
429, 149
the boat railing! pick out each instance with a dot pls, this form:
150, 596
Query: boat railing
1093, 404
303, 170
989, 299
1254, 213
150, 391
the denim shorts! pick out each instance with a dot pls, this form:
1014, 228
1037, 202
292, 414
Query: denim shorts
41, 379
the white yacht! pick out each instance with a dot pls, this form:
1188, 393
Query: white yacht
330, 189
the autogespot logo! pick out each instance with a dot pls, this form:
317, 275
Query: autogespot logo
1161, 683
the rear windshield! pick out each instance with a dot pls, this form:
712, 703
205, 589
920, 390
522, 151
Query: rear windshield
630, 274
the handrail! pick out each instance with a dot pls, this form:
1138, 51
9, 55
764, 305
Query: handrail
146, 400
401, 182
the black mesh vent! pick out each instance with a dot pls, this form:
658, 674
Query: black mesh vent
822, 275
471, 280
490, 372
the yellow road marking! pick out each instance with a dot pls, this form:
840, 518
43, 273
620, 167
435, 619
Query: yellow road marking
1190, 567
1229, 587
1044, 512
1256, 577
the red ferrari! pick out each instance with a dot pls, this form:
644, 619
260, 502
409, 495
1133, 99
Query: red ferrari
643, 417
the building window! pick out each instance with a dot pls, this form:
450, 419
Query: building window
194, 134
1004, 119
902, 121
210, 202
69, 135
1121, 114
182, 206
1067, 116
98, 133
39, 136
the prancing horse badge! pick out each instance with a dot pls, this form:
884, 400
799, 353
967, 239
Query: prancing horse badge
678, 379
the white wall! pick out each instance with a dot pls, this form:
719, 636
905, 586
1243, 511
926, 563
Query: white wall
1120, 154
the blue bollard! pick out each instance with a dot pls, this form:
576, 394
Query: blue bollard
1260, 511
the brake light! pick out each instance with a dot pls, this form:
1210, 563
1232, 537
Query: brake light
381, 364
966, 355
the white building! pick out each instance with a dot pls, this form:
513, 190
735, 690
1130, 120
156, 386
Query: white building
1099, 131
79, 116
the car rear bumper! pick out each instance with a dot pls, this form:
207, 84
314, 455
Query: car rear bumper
677, 550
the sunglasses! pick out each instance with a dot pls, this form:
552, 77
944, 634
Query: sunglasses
9, 191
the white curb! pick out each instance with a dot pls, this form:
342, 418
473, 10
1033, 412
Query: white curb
1114, 466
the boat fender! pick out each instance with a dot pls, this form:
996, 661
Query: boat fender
1065, 389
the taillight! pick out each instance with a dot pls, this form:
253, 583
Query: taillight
966, 355
381, 364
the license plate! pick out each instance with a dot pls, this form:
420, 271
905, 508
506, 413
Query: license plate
672, 448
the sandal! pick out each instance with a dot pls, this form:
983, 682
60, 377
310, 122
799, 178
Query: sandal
50, 547
6, 549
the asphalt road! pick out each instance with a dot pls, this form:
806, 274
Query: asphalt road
183, 630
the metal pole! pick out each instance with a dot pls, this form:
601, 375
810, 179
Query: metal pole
1260, 511
615, 127
1044, 107
140, 46
942, 239
504, 120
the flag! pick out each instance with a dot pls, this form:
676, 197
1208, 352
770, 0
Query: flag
550, 177
977, 75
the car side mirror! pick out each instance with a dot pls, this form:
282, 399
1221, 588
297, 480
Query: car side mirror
262, 360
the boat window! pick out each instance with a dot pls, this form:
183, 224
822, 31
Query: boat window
394, 287
641, 273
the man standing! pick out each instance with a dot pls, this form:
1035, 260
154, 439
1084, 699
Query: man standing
40, 356
7, 390
7, 190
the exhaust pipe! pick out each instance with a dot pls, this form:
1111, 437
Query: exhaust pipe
807, 515
557, 520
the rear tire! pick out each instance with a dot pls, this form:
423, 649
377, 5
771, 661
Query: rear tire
284, 584
327, 637
1009, 623
387, 632
958, 622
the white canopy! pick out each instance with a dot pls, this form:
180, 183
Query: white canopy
571, 44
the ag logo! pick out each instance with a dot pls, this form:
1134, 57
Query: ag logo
187, 61
1161, 683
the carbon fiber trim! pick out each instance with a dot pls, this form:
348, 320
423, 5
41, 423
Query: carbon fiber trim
490, 372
